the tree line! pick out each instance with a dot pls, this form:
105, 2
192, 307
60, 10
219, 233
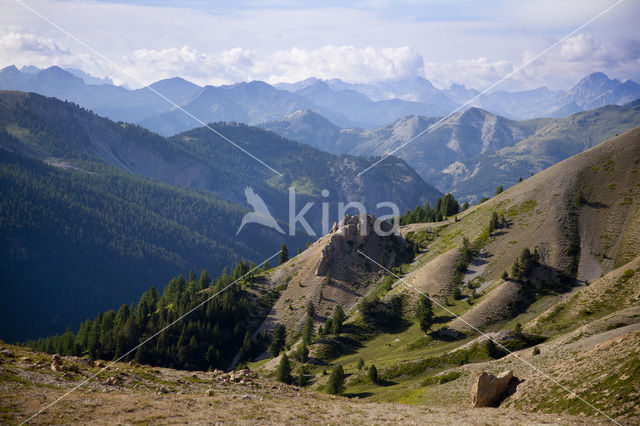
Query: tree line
445, 207
209, 337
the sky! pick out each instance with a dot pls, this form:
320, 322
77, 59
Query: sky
474, 43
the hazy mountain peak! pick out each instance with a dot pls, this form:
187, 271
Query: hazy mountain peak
306, 126
10, 68
54, 69
595, 77
471, 114
308, 117
292, 87
317, 85
88, 78
175, 87
305, 114
59, 75
30, 69
252, 83
9, 75
596, 90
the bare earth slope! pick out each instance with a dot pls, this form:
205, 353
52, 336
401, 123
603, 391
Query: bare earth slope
582, 216
127, 394
589, 201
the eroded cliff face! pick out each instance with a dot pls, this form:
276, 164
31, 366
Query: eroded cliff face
354, 238
335, 270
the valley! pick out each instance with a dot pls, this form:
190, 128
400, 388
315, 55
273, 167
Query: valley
136, 209
472, 152
553, 302
165, 281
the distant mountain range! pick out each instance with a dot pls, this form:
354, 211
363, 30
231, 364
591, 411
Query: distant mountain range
347, 105
473, 151
339, 117
593, 91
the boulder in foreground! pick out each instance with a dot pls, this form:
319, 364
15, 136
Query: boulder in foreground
489, 388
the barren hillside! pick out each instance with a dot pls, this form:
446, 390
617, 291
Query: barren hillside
554, 282
576, 225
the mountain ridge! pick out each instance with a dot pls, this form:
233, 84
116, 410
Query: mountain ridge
345, 104
454, 155
157, 205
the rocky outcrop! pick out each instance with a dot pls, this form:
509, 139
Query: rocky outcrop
56, 364
353, 234
489, 389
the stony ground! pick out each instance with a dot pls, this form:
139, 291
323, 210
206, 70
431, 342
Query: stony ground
132, 394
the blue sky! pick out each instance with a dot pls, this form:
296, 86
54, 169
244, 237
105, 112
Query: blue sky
469, 42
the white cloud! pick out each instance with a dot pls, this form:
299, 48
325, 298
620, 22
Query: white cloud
29, 49
560, 68
361, 65
148, 65
15, 43
477, 73
461, 41
580, 55
356, 65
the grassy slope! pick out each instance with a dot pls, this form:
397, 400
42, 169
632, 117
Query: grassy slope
542, 213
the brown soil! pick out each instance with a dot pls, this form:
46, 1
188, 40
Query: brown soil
145, 395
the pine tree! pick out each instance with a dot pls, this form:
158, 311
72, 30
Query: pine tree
302, 377
335, 385
278, 341
518, 330
457, 294
284, 254
283, 373
302, 354
311, 309
360, 363
328, 326
424, 313
307, 331
494, 223
515, 270
198, 344
337, 321
247, 345
373, 374
204, 281
499, 189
